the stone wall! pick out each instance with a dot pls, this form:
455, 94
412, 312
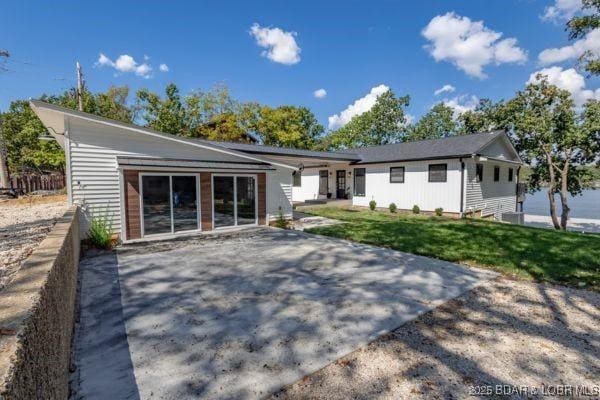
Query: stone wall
36, 317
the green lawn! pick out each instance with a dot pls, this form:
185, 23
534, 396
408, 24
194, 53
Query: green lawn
542, 254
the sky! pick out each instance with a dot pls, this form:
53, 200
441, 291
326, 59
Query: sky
334, 57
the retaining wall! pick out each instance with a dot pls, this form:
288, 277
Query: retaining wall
37, 315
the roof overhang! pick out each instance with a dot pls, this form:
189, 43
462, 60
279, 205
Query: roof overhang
54, 118
148, 163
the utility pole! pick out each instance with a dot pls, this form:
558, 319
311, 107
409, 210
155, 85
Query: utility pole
80, 86
4, 174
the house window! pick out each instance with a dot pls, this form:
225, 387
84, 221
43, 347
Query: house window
510, 174
478, 172
496, 173
396, 174
297, 178
438, 172
359, 181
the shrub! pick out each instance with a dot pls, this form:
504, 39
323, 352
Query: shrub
101, 231
393, 208
416, 209
281, 222
439, 211
372, 205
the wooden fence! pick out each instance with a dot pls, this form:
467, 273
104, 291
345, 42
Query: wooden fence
34, 182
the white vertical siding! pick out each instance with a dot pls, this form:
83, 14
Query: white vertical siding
416, 188
279, 193
309, 190
487, 196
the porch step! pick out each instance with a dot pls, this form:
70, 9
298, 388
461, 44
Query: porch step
315, 201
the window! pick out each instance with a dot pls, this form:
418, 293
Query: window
478, 172
510, 174
297, 178
359, 181
496, 173
437, 172
396, 174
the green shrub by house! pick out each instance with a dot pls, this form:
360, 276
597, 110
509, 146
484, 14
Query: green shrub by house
101, 231
416, 209
439, 211
372, 205
281, 222
393, 208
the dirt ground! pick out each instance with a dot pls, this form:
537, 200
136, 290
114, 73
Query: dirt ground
24, 223
501, 333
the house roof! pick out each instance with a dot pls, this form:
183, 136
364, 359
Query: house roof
450, 147
288, 151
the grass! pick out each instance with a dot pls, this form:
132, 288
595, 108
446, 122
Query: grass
566, 258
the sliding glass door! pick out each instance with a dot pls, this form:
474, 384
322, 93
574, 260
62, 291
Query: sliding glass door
169, 203
234, 200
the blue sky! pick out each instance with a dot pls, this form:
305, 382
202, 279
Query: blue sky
346, 48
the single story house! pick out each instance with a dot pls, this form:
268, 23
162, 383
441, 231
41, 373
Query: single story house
153, 184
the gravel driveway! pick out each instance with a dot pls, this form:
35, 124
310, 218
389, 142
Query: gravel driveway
244, 315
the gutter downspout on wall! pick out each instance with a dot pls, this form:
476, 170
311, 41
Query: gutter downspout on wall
462, 186
517, 191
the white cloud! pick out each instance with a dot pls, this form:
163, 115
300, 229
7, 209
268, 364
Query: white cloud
590, 43
445, 89
280, 45
409, 118
358, 107
320, 93
562, 10
568, 79
163, 68
461, 104
469, 45
126, 64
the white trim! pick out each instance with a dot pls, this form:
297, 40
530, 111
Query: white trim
235, 221
141, 174
196, 170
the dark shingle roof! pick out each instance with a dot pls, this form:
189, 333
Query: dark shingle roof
454, 146
288, 151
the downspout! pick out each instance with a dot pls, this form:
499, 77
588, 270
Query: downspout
462, 186
517, 192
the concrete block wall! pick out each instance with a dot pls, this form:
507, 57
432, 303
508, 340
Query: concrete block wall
36, 317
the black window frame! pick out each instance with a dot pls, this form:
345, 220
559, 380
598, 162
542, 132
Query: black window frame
403, 172
511, 174
297, 179
445, 165
364, 188
496, 173
479, 172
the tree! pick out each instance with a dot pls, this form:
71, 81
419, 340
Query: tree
288, 126
554, 141
20, 131
437, 123
384, 123
580, 26
487, 116
164, 115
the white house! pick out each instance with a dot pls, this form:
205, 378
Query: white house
155, 185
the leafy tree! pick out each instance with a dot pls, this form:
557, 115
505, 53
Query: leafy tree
164, 115
580, 26
437, 123
20, 131
554, 141
487, 116
384, 123
288, 126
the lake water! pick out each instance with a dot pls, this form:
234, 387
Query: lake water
585, 206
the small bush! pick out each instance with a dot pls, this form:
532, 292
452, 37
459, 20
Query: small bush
281, 222
101, 231
439, 211
416, 209
372, 205
393, 207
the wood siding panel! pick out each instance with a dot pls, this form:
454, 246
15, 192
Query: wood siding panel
206, 201
487, 196
262, 199
132, 204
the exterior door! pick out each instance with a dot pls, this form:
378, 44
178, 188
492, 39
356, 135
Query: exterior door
234, 200
323, 182
340, 184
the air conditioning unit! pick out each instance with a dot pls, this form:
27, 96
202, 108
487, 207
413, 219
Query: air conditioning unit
514, 217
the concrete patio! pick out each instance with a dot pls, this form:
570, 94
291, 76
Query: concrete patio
240, 316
